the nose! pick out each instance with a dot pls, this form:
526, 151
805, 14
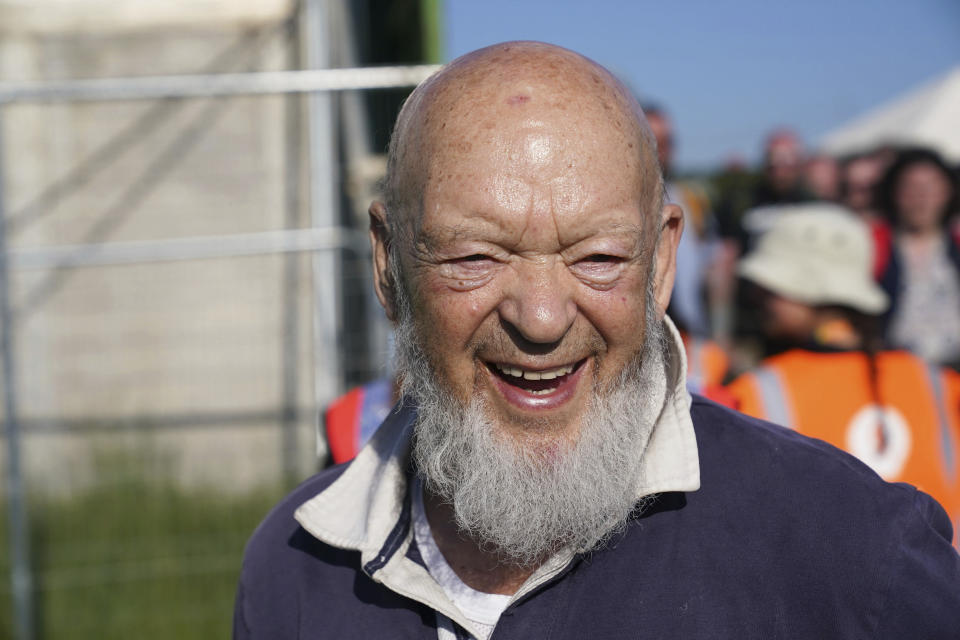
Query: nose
539, 302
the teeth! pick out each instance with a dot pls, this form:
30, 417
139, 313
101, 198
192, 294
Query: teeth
517, 372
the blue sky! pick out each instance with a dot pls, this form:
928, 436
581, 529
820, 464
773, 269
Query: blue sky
731, 71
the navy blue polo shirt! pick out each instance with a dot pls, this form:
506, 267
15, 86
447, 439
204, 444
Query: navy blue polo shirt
787, 537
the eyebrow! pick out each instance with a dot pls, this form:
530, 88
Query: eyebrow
431, 241
444, 233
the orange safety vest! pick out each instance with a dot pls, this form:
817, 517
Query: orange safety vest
828, 396
707, 365
352, 418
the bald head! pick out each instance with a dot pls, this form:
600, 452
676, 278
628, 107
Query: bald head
493, 96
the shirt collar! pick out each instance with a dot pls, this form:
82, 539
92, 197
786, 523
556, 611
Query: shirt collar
362, 508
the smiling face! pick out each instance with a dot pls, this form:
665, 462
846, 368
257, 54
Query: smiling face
532, 255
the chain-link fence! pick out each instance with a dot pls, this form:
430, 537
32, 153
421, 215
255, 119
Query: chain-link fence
184, 284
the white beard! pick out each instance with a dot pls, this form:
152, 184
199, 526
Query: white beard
509, 499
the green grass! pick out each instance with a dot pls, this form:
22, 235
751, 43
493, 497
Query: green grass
133, 557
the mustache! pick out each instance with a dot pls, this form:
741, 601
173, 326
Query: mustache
504, 343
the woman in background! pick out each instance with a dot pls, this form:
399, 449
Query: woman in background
922, 276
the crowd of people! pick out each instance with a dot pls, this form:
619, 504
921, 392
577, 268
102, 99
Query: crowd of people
830, 293
908, 200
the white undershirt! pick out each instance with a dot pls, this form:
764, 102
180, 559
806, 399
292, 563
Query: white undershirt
482, 609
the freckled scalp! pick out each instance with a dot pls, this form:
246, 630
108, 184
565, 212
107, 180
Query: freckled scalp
474, 95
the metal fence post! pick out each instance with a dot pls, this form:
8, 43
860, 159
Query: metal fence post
21, 577
293, 181
324, 180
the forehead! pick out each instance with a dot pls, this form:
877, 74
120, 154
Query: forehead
924, 170
521, 149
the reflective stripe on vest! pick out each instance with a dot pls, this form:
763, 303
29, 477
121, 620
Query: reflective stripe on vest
947, 445
695, 373
773, 396
377, 401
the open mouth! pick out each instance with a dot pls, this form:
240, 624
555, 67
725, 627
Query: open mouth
539, 383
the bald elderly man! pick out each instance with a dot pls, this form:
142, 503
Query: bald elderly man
545, 474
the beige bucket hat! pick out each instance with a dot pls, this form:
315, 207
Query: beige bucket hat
818, 254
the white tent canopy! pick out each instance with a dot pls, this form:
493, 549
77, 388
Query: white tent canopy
927, 116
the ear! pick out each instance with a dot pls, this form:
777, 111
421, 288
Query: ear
380, 244
665, 261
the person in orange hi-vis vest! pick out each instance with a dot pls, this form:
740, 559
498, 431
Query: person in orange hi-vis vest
897, 413
707, 368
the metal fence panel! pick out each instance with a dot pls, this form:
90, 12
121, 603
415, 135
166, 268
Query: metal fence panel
164, 290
